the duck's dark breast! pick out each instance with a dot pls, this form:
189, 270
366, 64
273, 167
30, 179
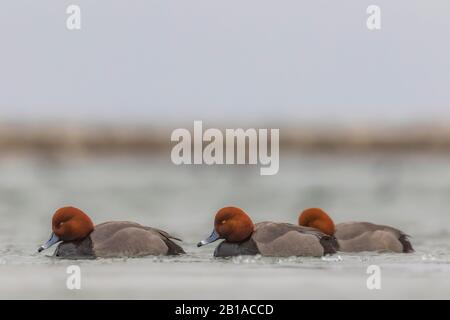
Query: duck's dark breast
228, 249
330, 244
76, 249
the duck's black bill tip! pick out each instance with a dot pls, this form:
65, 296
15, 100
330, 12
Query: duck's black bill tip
40, 249
199, 244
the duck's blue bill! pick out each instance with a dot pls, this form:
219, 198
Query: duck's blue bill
213, 237
53, 239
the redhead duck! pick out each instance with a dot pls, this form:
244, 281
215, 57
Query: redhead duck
357, 236
242, 237
80, 239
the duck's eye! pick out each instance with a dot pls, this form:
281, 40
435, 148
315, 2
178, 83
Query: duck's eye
224, 221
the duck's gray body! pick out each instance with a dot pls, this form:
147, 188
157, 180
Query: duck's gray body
365, 236
120, 239
280, 240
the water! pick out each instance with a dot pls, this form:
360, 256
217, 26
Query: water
410, 191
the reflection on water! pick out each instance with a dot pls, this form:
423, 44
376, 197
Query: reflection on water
411, 192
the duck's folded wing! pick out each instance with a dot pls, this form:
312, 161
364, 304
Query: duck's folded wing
105, 230
284, 239
366, 236
268, 231
164, 233
349, 230
124, 238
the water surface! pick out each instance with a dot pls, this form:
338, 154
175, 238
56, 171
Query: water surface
410, 191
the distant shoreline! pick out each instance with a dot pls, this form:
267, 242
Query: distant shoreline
141, 138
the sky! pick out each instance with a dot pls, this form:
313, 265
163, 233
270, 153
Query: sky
160, 61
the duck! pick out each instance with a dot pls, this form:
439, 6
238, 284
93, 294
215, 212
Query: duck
242, 237
77, 237
357, 236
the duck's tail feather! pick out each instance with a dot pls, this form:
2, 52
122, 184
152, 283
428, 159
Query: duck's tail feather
407, 246
174, 249
175, 238
166, 234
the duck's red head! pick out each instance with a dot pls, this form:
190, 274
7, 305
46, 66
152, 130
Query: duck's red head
69, 224
318, 219
231, 224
